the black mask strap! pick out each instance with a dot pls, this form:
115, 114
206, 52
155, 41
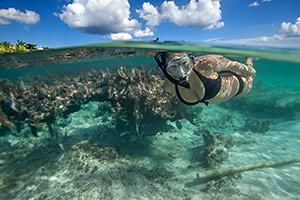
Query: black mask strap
162, 63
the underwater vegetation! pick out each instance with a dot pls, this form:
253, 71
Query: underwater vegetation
136, 99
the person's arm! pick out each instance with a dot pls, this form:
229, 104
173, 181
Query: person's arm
235, 66
210, 64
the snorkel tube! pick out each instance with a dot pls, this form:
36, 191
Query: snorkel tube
160, 58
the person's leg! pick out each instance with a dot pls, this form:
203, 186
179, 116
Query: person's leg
248, 82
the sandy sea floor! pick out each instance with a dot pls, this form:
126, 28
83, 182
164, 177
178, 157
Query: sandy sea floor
160, 167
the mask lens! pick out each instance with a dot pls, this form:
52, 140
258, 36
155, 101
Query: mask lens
178, 68
176, 71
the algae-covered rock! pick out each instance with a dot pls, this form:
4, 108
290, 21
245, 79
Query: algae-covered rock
214, 151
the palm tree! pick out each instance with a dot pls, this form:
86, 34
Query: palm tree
21, 43
31, 46
20, 46
5, 46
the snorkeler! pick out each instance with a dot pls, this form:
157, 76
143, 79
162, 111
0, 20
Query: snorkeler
205, 79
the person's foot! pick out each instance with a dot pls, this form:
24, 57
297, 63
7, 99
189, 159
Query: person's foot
249, 62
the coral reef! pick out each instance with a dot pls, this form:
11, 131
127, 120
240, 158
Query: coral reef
142, 104
135, 98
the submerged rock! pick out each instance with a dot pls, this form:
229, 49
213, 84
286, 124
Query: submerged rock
257, 125
214, 151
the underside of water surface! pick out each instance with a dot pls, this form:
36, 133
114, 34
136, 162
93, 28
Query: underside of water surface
94, 122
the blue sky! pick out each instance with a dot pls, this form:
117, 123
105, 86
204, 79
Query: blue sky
58, 23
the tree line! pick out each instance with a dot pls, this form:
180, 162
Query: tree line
19, 46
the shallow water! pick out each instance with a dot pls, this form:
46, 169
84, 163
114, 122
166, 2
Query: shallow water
106, 145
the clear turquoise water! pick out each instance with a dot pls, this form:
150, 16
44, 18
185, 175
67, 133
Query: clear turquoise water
262, 126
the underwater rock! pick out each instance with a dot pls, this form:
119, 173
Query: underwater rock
96, 151
257, 125
214, 151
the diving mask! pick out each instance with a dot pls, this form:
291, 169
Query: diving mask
180, 68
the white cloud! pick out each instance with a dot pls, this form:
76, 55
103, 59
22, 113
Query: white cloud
288, 30
120, 36
287, 36
99, 16
255, 3
217, 39
266, 41
204, 14
4, 21
143, 33
112, 17
150, 14
11, 14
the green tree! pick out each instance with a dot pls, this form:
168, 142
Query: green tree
5, 46
31, 46
20, 46
21, 43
